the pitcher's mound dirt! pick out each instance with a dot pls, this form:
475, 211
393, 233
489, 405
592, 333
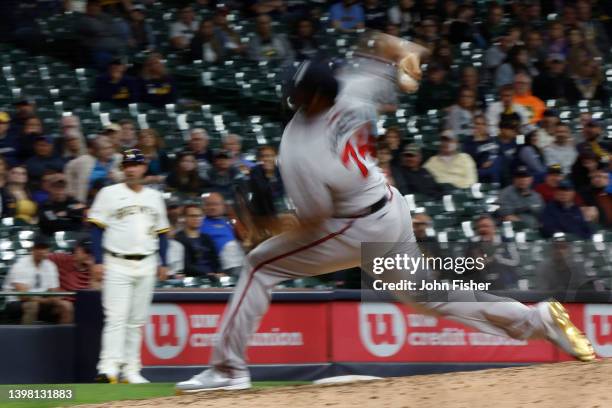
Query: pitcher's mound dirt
562, 385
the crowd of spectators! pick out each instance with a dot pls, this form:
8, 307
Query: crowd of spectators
496, 125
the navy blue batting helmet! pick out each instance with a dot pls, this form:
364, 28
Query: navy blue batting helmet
313, 77
134, 156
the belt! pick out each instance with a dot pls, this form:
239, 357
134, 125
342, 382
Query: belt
371, 209
130, 257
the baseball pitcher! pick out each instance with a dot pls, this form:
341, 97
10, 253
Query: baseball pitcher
342, 199
129, 237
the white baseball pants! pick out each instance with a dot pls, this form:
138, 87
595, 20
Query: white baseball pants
335, 245
126, 295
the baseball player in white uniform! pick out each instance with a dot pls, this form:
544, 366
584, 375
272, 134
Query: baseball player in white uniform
129, 238
342, 199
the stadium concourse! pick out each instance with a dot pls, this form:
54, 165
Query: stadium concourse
516, 96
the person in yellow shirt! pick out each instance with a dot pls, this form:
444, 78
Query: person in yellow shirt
450, 166
523, 96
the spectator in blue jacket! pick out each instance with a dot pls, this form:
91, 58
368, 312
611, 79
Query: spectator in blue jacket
529, 154
43, 159
506, 141
484, 150
115, 86
347, 15
141, 35
157, 86
563, 215
219, 228
201, 258
265, 183
224, 175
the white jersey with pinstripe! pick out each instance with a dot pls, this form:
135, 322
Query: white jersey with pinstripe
131, 220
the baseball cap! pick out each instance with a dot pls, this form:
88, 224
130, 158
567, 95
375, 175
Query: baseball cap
138, 7
24, 102
550, 113
222, 154
115, 61
43, 138
529, 128
434, 66
594, 123
112, 127
86, 244
173, 202
509, 121
556, 57
133, 156
587, 154
41, 241
521, 171
412, 149
448, 135
58, 180
554, 169
4, 117
566, 185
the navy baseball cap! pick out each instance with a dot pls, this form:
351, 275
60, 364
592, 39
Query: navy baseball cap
133, 156
521, 171
594, 123
86, 244
41, 241
566, 185
555, 169
43, 138
550, 113
222, 154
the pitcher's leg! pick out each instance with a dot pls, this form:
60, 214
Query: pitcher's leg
285, 256
483, 311
501, 316
249, 303
498, 316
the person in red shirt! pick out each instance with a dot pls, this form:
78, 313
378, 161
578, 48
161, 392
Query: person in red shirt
550, 184
75, 268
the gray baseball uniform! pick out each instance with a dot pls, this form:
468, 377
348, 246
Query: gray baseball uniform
330, 174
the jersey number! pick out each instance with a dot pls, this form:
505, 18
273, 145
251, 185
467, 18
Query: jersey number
364, 142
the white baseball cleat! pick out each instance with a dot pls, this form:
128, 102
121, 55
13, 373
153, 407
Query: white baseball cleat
133, 378
561, 331
210, 380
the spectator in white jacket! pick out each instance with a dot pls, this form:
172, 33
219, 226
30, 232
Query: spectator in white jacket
562, 151
183, 29
461, 115
265, 45
504, 105
96, 169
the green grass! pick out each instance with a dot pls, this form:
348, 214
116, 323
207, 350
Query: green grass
97, 393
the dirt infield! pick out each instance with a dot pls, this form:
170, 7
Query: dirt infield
563, 385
